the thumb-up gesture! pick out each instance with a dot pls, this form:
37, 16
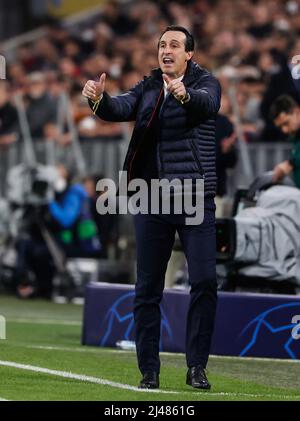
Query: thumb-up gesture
175, 87
94, 90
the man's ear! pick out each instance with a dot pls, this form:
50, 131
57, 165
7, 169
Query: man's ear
189, 55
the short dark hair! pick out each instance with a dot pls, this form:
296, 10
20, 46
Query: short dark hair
282, 104
189, 41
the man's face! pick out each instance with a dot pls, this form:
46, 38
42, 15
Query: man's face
37, 89
289, 123
172, 56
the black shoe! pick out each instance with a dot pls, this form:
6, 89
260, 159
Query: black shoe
150, 380
196, 377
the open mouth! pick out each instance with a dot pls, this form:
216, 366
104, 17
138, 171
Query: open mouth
168, 60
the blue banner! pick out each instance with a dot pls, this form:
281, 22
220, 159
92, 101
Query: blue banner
249, 325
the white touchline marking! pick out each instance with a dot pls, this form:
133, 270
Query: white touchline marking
46, 321
2, 399
62, 348
80, 377
84, 348
262, 359
103, 382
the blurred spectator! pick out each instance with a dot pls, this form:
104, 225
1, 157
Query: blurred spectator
8, 117
250, 91
120, 22
40, 108
262, 25
106, 223
90, 127
226, 157
58, 35
45, 55
73, 50
17, 75
281, 82
68, 68
285, 113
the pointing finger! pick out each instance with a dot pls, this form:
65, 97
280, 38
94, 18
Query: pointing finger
166, 78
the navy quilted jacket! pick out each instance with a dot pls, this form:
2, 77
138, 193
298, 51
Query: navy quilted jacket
186, 135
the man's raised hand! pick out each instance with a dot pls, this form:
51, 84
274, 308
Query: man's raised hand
94, 90
175, 87
166, 79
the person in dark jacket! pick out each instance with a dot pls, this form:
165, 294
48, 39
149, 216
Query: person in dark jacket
285, 112
174, 138
8, 127
8, 117
40, 108
226, 157
106, 224
281, 83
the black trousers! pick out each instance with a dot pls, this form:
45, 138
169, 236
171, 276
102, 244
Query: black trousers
155, 236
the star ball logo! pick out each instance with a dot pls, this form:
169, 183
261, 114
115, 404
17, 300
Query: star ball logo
2, 67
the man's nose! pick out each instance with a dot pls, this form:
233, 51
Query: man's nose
167, 49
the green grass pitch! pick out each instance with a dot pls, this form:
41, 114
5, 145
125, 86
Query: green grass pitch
42, 359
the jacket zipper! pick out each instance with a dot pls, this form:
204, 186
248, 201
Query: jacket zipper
148, 125
194, 152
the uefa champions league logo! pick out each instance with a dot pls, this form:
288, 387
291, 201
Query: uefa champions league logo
2, 67
274, 324
120, 313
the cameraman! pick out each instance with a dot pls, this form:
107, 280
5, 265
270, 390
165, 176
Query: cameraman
71, 218
68, 218
285, 113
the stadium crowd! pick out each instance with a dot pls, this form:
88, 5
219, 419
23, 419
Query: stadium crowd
251, 45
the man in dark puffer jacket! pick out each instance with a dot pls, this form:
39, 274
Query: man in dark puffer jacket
174, 137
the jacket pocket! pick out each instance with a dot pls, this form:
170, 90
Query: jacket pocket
196, 157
